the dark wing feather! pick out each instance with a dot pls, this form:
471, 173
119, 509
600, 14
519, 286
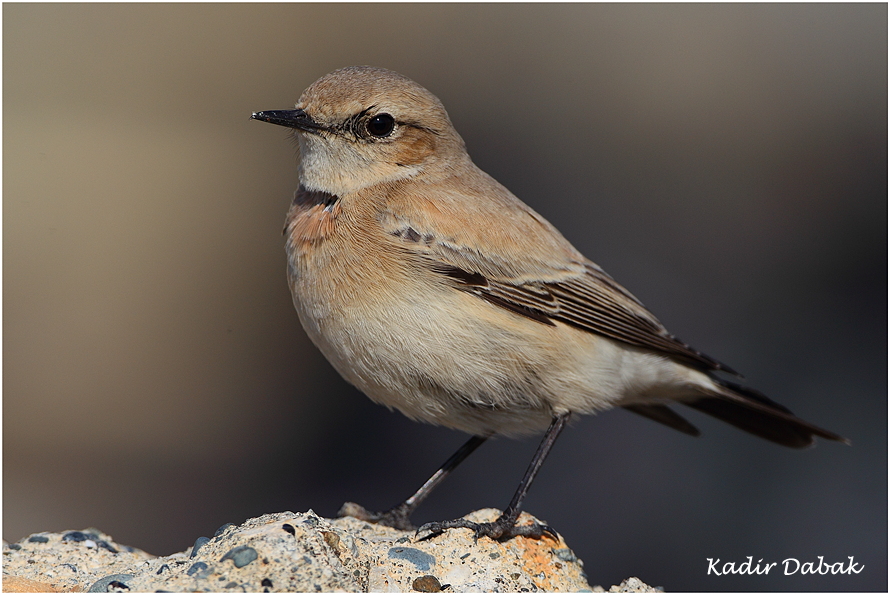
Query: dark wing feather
591, 301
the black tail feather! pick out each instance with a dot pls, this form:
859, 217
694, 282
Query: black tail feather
753, 412
664, 415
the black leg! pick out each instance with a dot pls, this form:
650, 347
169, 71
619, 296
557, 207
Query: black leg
397, 516
505, 526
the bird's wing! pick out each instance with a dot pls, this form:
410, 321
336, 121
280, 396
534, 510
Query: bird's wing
591, 301
532, 271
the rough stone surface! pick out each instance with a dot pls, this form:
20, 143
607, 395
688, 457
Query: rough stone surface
302, 552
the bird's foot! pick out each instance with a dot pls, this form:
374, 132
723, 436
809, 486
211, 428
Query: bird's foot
396, 517
502, 529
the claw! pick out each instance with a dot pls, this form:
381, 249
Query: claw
550, 532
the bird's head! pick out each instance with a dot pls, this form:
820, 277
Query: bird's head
360, 126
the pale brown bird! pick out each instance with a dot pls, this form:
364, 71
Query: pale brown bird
434, 290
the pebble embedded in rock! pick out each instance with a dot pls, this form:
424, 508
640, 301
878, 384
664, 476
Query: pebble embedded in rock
565, 554
38, 539
222, 529
427, 584
76, 536
333, 540
112, 581
196, 568
420, 559
311, 521
198, 543
241, 556
105, 545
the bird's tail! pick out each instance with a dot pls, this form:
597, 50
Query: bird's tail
746, 409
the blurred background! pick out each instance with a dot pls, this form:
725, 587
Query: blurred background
726, 163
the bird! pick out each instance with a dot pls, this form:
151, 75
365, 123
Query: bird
435, 291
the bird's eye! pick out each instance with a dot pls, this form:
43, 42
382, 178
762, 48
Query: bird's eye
381, 125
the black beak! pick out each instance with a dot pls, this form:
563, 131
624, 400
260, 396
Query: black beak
292, 118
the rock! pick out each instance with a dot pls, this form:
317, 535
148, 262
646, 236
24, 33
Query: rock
67, 562
634, 585
302, 552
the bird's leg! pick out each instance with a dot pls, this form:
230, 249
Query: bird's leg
505, 526
397, 516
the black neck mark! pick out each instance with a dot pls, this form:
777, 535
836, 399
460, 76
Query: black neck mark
315, 197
